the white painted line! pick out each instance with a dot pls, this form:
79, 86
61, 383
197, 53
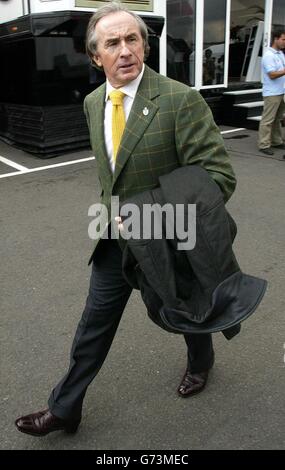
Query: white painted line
41, 168
14, 173
234, 130
13, 164
56, 165
23, 170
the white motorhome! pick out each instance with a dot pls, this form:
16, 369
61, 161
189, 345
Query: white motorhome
213, 45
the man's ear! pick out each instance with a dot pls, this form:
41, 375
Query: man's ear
97, 60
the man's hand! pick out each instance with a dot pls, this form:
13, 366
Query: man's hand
274, 75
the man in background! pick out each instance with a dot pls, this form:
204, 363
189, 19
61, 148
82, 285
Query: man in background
273, 67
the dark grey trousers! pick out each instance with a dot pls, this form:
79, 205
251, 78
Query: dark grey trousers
107, 298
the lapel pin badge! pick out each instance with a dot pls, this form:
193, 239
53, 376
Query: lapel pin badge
145, 111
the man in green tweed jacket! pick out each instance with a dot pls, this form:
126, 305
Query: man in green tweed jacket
168, 125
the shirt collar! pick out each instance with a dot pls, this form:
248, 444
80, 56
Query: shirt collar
275, 51
130, 89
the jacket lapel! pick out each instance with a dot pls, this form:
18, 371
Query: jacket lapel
98, 138
138, 121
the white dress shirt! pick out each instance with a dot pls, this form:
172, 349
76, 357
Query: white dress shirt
130, 91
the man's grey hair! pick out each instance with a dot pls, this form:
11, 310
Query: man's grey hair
112, 7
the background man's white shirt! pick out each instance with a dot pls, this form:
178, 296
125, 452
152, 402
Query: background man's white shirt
273, 61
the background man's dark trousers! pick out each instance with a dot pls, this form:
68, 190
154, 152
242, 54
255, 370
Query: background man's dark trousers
106, 301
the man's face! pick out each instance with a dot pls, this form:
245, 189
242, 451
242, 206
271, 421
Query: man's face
120, 48
280, 42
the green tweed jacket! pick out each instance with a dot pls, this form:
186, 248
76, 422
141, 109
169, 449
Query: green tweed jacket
177, 130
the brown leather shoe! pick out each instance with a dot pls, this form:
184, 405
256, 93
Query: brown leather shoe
44, 422
192, 384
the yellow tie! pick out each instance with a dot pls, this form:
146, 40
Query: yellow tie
118, 119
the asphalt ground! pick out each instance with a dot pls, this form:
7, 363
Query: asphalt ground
133, 404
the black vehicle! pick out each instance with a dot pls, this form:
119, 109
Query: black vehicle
45, 75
